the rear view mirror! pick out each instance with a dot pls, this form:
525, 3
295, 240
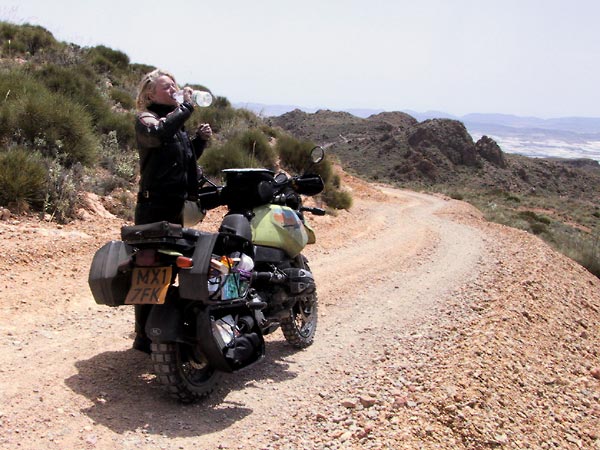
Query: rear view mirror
317, 154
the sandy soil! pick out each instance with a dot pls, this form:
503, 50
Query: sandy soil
436, 330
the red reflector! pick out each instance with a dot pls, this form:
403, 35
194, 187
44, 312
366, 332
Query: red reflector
183, 262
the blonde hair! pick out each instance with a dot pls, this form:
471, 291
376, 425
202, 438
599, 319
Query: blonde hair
146, 87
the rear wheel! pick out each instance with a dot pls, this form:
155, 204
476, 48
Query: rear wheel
184, 371
300, 325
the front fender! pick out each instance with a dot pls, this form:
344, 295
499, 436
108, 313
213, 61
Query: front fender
312, 237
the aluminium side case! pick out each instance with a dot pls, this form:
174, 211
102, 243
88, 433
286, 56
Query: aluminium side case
109, 279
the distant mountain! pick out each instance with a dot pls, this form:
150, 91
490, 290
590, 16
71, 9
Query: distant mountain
583, 125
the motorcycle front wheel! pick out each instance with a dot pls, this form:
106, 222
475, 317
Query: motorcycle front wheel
184, 371
300, 324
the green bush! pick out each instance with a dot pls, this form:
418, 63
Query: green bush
223, 118
336, 198
226, 156
105, 59
22, 178
24, 39
293, 154
57, 127
336, 181
270, 131
123, 124
79, 83
257, 146
218, 118
122, 97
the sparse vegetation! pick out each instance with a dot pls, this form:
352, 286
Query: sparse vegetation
69, 108
568, 225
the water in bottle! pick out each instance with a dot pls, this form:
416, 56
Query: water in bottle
200, 98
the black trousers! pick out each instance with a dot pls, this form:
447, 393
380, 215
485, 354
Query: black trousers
149, 211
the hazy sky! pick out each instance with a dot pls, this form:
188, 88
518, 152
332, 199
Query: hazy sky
524, 57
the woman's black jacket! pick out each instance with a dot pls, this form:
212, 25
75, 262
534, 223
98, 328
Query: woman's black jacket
168, 157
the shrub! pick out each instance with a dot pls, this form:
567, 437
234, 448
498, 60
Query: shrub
24, 39
79, 83
581, 247
336, 181
513, 198
223, 118
120, 163
229, 155
270, 131
122, 97
22, 178
532, 217
336, 198
257, 146
294, 154
538, 228
49, 122
63, 186
106, 59
123, 125
57, 126
218, 118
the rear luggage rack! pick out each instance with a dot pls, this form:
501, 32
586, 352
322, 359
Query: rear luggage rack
159, 232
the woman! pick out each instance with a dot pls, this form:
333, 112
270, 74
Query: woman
168, 162
168, 156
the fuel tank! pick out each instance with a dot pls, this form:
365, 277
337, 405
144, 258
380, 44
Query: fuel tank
280, 227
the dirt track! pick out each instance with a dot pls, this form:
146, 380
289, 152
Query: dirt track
398, 277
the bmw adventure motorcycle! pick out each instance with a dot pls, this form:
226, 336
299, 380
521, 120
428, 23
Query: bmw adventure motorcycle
214, 296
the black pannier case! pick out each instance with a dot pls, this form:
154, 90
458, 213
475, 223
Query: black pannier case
108, 284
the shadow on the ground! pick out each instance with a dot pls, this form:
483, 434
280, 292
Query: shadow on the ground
127, 397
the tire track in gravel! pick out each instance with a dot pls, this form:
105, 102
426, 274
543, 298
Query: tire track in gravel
368, 290
73, 382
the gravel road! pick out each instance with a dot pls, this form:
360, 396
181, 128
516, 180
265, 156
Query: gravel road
431, 335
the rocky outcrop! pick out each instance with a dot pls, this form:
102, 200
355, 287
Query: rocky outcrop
398, 120
489, 150
450, 137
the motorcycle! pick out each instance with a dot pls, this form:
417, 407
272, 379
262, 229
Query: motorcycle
212, 297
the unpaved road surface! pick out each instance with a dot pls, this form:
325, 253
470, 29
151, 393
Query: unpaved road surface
436, 330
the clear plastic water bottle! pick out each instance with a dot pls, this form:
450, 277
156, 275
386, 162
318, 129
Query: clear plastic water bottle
200, 98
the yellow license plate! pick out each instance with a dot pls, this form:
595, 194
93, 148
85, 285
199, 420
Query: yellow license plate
149, 285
